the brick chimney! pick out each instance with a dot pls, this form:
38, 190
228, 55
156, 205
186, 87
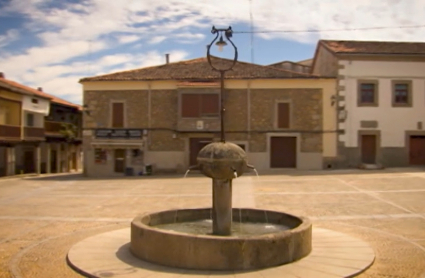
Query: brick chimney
167, 58
1, 75
39, 89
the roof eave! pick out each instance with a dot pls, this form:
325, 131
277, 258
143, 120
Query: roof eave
378, 54
22, 91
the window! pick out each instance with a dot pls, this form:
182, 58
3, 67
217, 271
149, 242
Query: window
117, 114
283, 115
367, 93
30, 119
34, 100
402, 93
4, 115
100, 156
199, 105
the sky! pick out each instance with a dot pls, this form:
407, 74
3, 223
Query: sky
52, 44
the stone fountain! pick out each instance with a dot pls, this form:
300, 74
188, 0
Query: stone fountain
282, 238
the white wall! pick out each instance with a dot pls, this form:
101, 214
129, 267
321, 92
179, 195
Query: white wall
35, 104
392, 121
38, 119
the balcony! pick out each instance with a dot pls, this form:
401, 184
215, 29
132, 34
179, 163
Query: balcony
54, 129
33, 133
10, 132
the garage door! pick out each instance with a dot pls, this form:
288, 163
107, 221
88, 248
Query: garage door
283, 152
417, 150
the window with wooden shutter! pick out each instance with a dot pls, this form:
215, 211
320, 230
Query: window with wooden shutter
199, 105
209, 105
117, 114
190, 105
283, 115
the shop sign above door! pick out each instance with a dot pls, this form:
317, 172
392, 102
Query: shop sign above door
106, 133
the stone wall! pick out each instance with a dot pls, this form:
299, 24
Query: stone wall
99, 104
326, 63
236, 104
306, 115
164, 109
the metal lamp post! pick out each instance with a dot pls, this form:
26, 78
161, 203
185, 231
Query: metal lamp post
222, 70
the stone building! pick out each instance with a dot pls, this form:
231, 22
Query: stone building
164, 115
381, 100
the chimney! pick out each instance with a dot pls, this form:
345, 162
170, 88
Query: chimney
167, 58
39, 89
1, 75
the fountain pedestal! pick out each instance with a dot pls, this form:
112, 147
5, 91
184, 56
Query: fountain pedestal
222, 207
222, 162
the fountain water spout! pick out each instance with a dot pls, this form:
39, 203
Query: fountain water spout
250, 166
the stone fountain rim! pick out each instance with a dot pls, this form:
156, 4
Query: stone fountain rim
305, 223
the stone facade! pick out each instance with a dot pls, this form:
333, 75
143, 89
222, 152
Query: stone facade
99, 103
250, 119
306, 115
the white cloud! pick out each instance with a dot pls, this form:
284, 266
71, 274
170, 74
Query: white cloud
82, 30
156, 40
128, 38
51, 80
10, 36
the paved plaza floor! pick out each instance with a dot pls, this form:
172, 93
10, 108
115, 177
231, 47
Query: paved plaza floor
42, 218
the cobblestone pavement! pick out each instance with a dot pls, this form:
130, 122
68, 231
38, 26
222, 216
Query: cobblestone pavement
42, 218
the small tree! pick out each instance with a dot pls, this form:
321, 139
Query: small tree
70, 131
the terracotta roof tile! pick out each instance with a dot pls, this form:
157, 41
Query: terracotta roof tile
375, 47
199, 69
30, 91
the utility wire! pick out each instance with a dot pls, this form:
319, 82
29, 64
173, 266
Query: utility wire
330, 30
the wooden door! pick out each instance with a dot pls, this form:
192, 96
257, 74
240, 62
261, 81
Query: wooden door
119, 155
283, 152
368, 148
29, 161
53, 161
417, 150
74, 161
4, 166
195, 145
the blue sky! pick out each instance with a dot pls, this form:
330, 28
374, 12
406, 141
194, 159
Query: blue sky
52, 44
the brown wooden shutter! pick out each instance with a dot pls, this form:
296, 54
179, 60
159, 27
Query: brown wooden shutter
210, 104
118, 114
283, 115
190, 105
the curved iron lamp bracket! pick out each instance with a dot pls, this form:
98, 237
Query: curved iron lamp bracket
228, 34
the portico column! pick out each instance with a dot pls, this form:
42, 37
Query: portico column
49, 159
67, 157
79, 158
38, 159
58, 158
10, 161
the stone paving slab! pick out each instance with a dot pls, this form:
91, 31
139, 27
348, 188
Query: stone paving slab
42, 218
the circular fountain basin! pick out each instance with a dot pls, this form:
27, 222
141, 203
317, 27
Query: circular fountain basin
284, 238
